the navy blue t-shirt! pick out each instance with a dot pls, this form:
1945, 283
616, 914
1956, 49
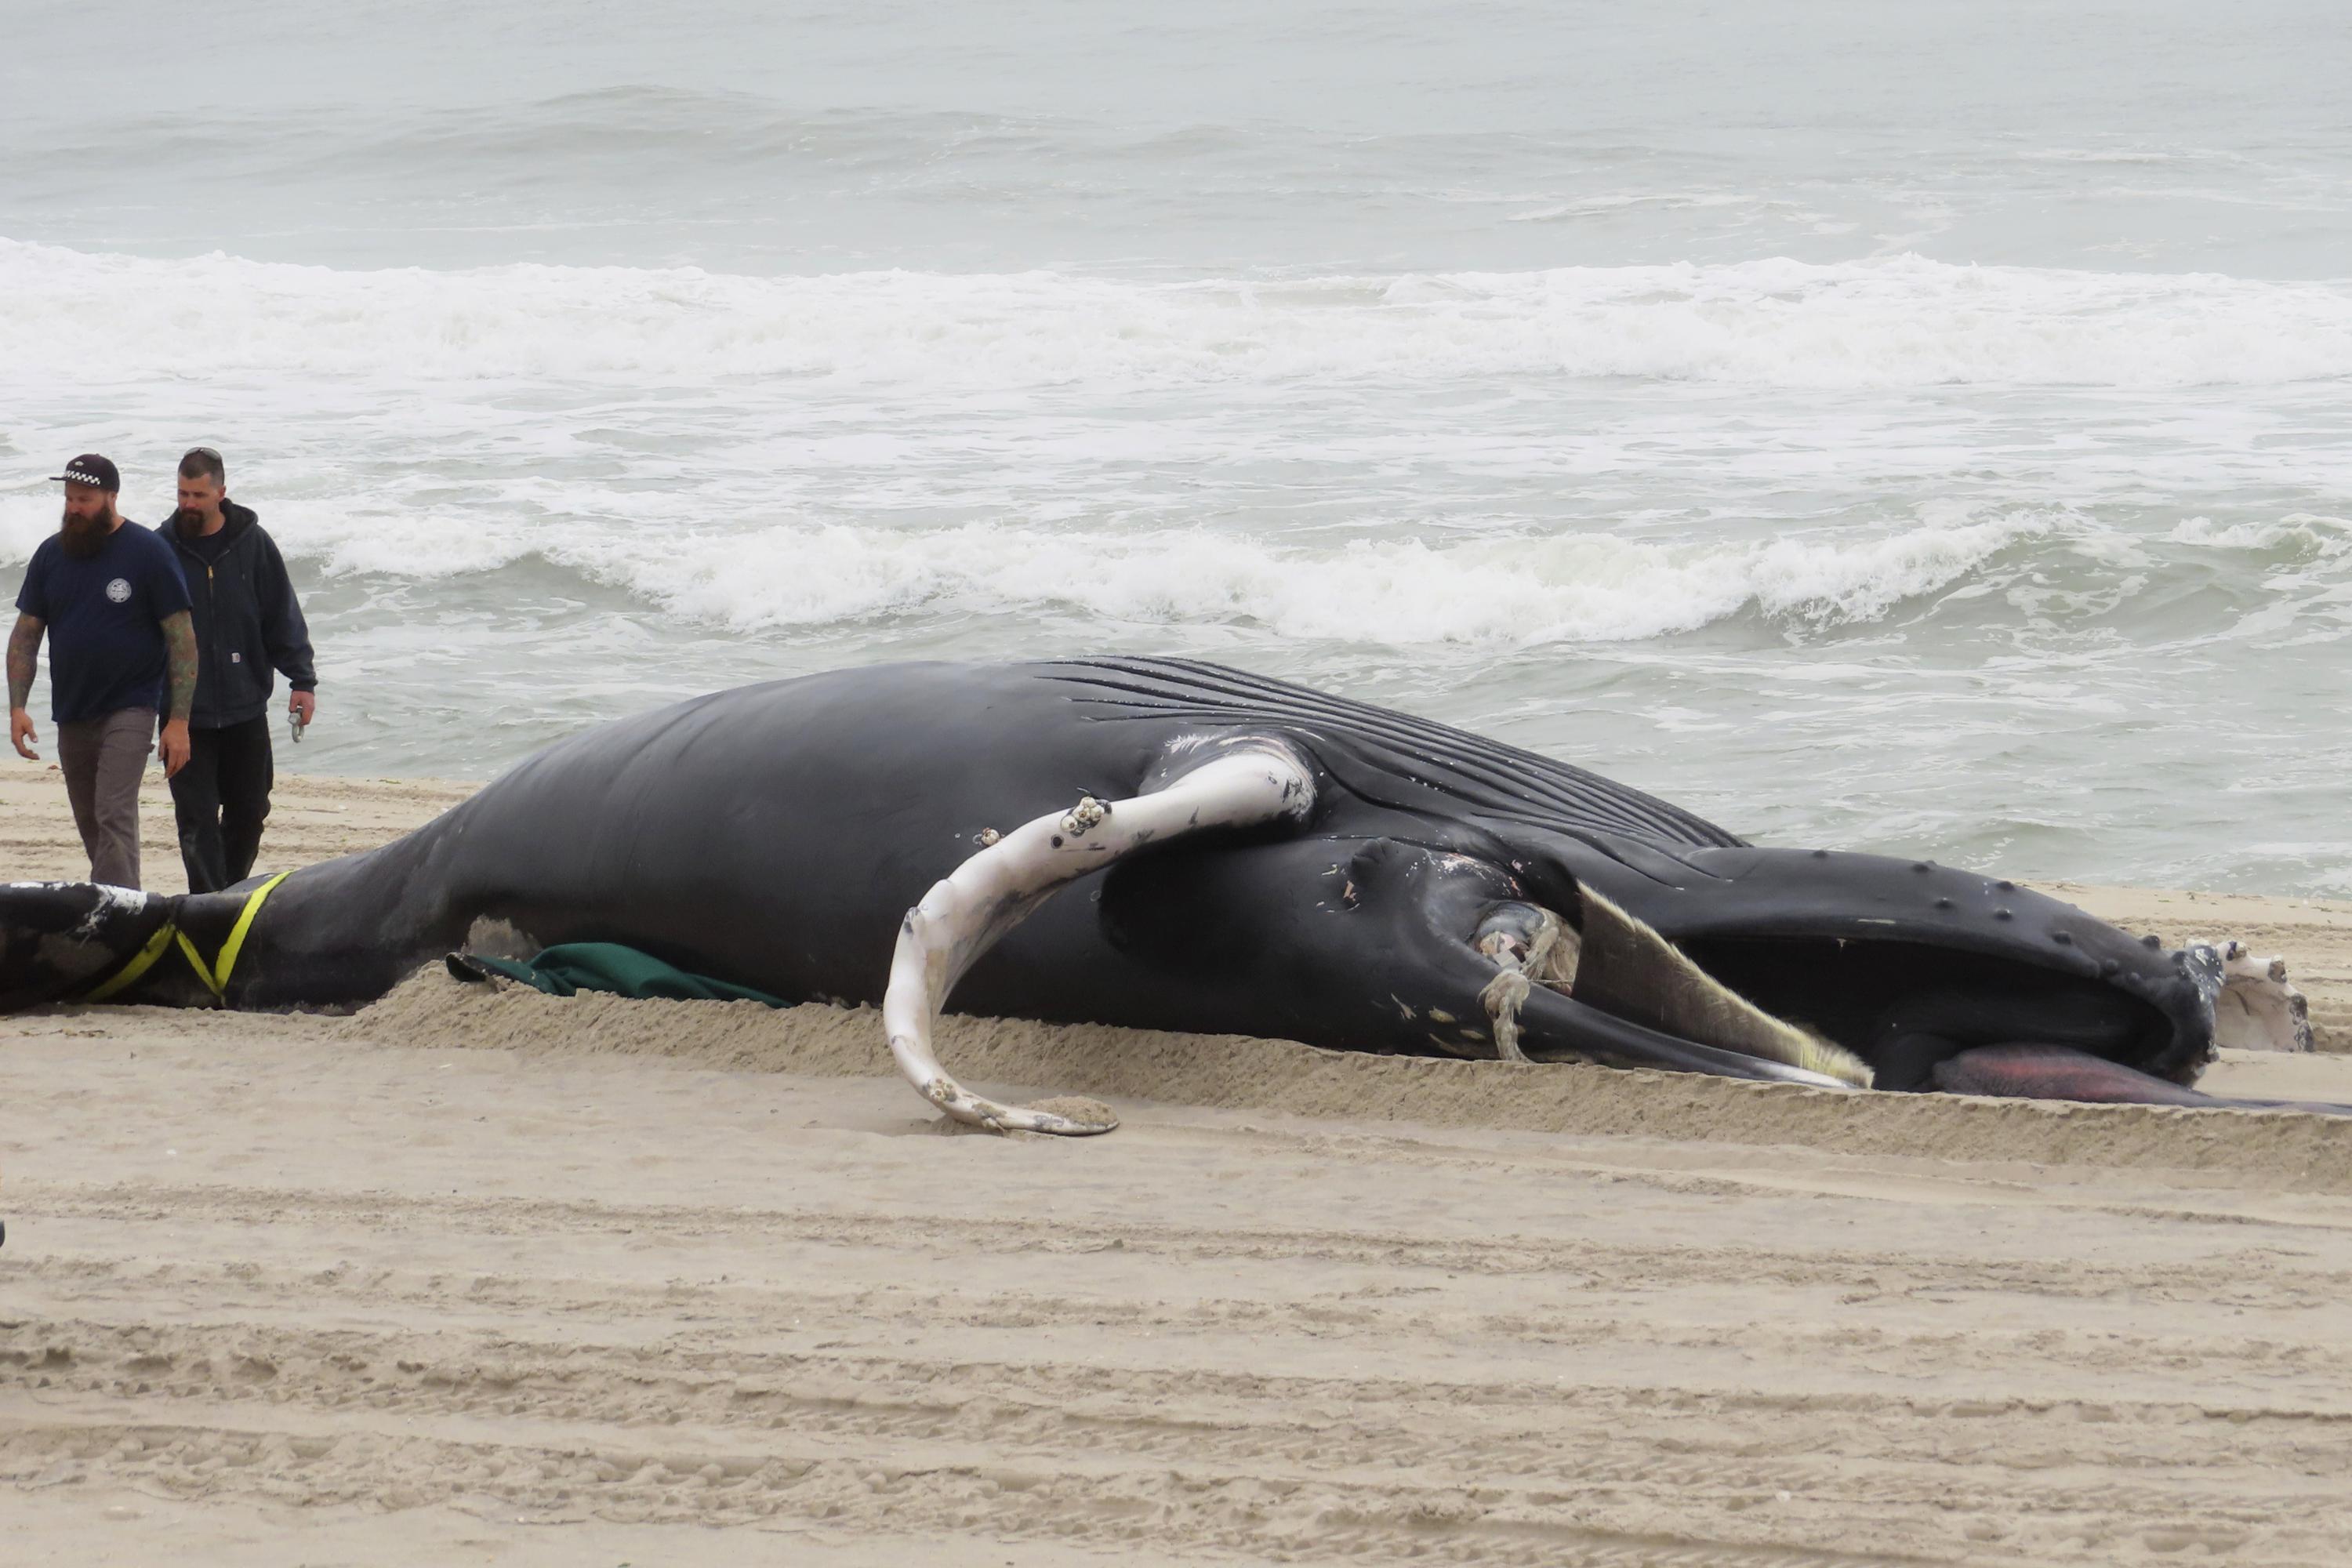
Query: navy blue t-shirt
105, 617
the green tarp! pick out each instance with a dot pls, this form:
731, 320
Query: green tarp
578, 966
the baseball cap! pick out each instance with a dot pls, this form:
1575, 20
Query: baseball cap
93, 470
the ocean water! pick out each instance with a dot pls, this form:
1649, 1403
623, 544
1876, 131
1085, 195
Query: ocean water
1919, 428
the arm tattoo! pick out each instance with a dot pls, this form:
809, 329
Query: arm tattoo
24, 653
180, 637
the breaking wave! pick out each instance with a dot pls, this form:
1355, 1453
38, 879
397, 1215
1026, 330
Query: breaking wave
1900, 321
1509, 591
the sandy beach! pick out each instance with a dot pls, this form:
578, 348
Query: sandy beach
1908, 430
478, 1276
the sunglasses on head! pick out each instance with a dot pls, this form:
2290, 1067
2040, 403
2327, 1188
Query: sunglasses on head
200, 452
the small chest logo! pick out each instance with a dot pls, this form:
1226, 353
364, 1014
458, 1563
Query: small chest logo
119, 591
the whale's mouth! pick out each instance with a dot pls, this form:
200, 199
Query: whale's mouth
1903, 1006
1868, 1008
1624, 967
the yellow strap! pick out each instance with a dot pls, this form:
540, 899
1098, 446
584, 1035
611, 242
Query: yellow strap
140, 965
235, 943
196, 961
214, 975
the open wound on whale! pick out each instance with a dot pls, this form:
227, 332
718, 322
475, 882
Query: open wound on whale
1529, 946
1239, 784
2256, 1009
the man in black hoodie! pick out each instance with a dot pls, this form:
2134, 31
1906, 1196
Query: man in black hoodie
248, 623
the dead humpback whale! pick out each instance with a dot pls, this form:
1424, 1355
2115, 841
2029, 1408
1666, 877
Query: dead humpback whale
1169, 844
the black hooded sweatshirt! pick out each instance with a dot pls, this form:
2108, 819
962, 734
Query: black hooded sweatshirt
247, 620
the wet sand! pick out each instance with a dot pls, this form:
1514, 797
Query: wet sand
477, 1276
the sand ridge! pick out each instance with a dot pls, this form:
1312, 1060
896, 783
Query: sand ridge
2268, 1149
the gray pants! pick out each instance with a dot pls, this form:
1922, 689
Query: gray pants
102, 760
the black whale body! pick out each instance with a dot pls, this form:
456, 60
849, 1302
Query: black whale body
775, 836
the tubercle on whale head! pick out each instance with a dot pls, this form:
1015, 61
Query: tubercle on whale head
59, 940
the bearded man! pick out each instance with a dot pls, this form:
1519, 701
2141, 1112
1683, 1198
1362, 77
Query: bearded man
248, 623
112, 603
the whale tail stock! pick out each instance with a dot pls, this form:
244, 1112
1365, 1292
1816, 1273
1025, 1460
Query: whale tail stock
65, 941
87, 942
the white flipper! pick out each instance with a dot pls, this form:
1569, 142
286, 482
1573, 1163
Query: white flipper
1247, 782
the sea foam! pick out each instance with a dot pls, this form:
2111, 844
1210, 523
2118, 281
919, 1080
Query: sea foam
1511, 591
1893, 322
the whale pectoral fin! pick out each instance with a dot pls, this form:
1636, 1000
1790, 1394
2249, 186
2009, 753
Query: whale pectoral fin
2062, 1072
1240, 782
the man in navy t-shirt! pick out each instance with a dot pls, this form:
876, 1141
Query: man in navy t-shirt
115, 608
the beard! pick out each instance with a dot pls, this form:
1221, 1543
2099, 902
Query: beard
83, 537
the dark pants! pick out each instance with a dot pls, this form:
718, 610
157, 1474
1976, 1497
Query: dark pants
222, 799
102, 758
